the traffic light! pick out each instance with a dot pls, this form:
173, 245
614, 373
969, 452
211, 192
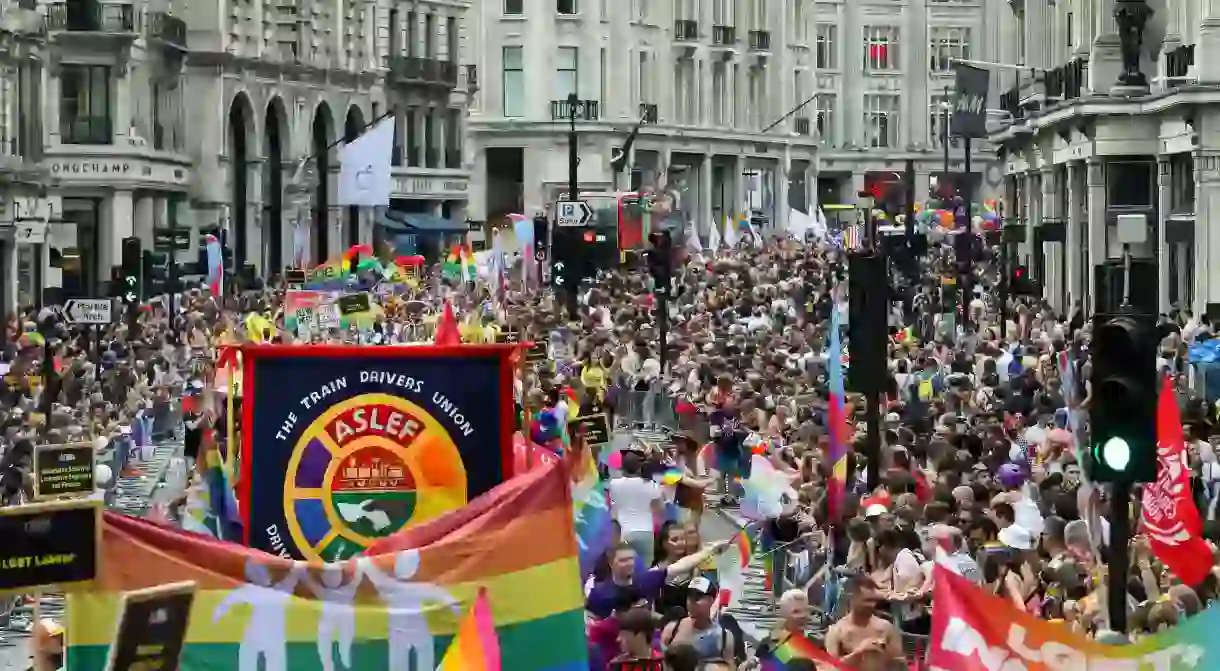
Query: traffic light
1020, 283
1122, 416
540, 237
660, 260
867, 309
129, 277
156, 273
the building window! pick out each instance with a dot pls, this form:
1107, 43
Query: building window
566, 6
566, 72
798, 21
601, 78
881, 120
451, 39
514, 7
1020, 16
939, 113
722, 12
84, 104
824, 118
513, 82
721, 98
827, 58
946, 44
430, 36
1070, 37
686, 10
881, 48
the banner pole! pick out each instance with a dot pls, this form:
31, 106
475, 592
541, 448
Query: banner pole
231, 422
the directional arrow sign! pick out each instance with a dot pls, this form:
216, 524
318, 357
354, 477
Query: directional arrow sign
574, 213
88, 311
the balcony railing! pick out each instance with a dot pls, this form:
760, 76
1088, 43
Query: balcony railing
1066, 81
86, 130
424, 71
168, 29
648, 112
724, 35
685, 30
93, 17
586, 110
760, 40
1178, 63
802, 126
453, 158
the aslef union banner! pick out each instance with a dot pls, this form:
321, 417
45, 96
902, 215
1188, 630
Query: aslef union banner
976, 631
970, 101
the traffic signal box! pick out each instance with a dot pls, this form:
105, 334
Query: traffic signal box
868, 319
156, 274
1122, 415
1020, 283
660, 261
130, 287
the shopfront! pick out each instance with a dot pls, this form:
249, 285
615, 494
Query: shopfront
99, 200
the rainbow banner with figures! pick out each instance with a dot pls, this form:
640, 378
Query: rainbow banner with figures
404, 599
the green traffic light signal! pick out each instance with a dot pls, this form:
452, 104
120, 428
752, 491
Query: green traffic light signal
1114, 453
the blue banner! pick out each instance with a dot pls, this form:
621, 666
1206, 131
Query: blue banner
344, 450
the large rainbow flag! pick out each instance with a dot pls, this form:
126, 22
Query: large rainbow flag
405, 598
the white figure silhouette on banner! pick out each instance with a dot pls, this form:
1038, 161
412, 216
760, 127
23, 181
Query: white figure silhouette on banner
407, 617
265, 634
337, 623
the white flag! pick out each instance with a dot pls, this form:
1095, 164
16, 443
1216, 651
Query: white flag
364, 175
730, 232
713, 237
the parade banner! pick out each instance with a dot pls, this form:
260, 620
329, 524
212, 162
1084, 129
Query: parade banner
371, 613
343, 446
976, 631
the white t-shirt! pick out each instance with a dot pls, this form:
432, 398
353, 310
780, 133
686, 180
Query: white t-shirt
631, 500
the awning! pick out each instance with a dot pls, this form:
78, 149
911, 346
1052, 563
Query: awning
418, 222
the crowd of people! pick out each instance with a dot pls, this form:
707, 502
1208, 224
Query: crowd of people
981, 426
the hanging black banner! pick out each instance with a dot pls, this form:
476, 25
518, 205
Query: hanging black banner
970, 101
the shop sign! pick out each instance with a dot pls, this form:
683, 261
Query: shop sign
433, 187
102, 170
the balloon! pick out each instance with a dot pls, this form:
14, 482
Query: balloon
102, 475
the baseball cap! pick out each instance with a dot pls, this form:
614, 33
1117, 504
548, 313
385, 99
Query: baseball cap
1016, 537
875, 509
702, 586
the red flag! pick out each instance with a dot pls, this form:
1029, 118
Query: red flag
1170, 518
447, 329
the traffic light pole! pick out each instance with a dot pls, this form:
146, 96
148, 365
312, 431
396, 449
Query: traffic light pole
573, 149
872, 411
1005, 279
1117, 560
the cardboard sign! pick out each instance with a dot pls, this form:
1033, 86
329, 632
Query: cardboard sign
63, 470
53, 546
152, 628
538, 352
353, 303
594, 428
294, 276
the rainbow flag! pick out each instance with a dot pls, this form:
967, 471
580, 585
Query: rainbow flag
476, 646
404, 598
837, 421
768, 546
671, 476
796, 647
591, 513
744, 548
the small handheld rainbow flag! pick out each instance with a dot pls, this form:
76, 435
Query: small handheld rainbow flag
795, 647
742, 541
671, 476
476, 646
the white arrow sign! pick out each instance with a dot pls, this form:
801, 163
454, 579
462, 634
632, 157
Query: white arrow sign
88, 311
574, 213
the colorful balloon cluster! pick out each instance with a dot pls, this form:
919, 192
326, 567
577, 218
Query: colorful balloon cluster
984, 216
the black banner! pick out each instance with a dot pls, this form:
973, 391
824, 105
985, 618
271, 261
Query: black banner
63, 470
353, 303
594, 428
970, 101
152, 628
50, 546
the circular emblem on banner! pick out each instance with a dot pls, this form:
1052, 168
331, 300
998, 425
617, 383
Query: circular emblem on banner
365, 469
